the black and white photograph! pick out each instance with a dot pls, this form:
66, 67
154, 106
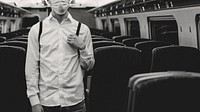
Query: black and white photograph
100, 55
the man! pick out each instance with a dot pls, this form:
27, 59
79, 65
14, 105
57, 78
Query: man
56, 84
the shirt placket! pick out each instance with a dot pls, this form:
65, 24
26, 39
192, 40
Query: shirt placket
60, 64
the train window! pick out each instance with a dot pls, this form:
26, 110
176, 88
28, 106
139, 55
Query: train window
2, 26
12, 25
116, 26
105, 24
198, 29
132, 27
164, 29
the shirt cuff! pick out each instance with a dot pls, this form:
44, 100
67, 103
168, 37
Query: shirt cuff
34, 100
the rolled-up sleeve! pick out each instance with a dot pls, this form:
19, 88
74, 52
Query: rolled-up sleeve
31, 68
86, 55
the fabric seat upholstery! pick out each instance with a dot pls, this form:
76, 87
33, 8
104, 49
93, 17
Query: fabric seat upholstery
12, 82
146, 47
105, 43
114, 65
121, 38
166, 92
16, 43
175, 58
132, 41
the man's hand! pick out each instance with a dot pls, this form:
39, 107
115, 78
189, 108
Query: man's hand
76, 42
37, 108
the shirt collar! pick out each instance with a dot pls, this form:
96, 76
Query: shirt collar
70, 18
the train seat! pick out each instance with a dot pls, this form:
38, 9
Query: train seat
173, 91
97, 36
16, 43
2, 39
8, 35
19, 39
105, 43
22, 36
120, 38
100, 39
114, 65
175, 58
146, 47
12, 82
109, 35
96, 31
170, 36
132, 41
130, 88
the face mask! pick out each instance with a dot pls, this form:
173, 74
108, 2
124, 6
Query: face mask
60, 7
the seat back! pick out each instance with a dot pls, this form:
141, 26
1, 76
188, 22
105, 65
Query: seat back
22, 36
167, 92
97, 36
100, 39
105, 43
114, 65
131, 87
132, 41
121, 38
19, 39
146, 47
175, 58
2, 39
15, 43
169, 36
12, 81
108, 34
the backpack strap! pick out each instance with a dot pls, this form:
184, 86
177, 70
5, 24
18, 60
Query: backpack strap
77, 33
39, 35
84, 78
78, 29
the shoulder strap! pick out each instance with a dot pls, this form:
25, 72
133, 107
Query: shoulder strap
77, 33
39, 35
78, 29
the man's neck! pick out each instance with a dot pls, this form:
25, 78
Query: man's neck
60, 18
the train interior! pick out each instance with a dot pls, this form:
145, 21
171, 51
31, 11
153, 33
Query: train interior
146, 52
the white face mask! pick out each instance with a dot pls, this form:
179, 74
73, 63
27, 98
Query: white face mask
60, 7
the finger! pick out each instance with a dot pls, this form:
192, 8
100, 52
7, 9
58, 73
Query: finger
69, 41
71, 34
70, 37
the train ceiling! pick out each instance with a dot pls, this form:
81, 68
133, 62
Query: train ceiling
134, 6
28, 3
8, 10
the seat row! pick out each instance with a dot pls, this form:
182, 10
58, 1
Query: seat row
18, 38
170, 91
116, 65
111, 86
109, 91
12, 81
16, 33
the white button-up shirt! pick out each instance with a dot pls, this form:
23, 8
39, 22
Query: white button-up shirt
61, 76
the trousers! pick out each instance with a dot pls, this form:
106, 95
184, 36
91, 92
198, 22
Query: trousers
80, 107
